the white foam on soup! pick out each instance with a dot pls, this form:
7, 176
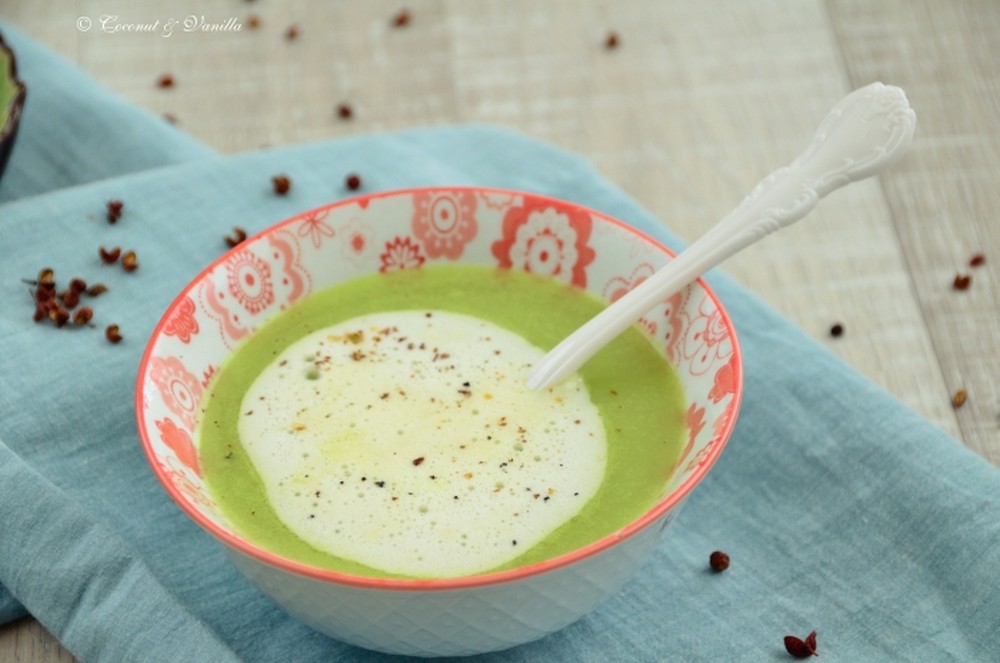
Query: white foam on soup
408, 441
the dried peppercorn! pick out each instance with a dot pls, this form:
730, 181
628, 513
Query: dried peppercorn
130, 261
113, 334
109, 257
282, 184
837, 330
97, 289
401, 19
800, 648
83, 315
58, 315
961, 282
719, 561
114, 210
69, 298
238, 236
352, 182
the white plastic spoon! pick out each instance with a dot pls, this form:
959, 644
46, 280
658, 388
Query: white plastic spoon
863, 134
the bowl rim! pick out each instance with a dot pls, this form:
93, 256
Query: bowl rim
14, 109
672, 500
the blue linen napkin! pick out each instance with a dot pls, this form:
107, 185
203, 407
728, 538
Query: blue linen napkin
843, 511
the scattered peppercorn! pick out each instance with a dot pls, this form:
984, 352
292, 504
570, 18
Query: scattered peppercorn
344, 111
83, 315
165, 81
837, 330
97, 289
282, 184
114, 210
292, 33
47, 277
962, 282
977, 260
418, 460
238, 236
130, 261
58, 315
959, 398
113, 334
401, 19
719, 561
353, 182
69, 298
109, 257
78, 285
800, 648
611, 41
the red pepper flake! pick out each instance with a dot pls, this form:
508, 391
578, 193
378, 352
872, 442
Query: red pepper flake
961, 282
281, 184
353, 182
109, 257
113, 334
959, 398
418, 460
837, 330
114, 210
130, 261
344, 111
165, 81
977, 260
719, 561
800, 648
292, 33
611, 41
401, 19
238, 236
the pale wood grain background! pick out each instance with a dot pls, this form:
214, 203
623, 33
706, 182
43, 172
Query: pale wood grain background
698, 102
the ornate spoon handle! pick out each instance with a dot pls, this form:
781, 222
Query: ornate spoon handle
866, 132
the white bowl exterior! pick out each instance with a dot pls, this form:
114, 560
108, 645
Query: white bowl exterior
406, 230
457, 622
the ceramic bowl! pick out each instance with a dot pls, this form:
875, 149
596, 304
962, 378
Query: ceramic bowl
12, 94
408, 230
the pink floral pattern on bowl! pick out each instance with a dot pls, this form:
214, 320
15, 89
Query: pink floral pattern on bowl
408, 230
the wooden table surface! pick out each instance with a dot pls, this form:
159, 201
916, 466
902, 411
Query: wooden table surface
695, 104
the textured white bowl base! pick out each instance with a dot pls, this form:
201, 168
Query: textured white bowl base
456, 622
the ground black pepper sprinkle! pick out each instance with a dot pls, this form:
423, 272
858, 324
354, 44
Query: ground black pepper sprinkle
837, 330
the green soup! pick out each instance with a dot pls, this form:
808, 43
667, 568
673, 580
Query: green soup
638, 396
